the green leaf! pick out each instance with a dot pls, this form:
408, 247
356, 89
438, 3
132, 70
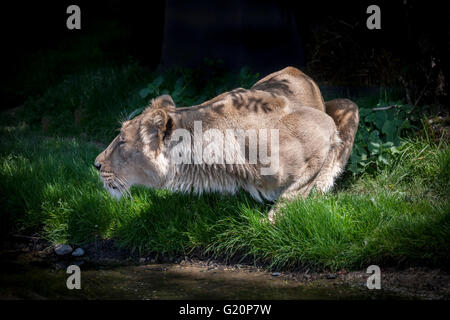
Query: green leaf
135, 112
380, 119
364, 112
361, 151
408, 108
370, 118
353, 165
394, 150
157, 81
177, 93
374, 136
383, 159
144, 92
179, 83
406, 124
374, 148
389, 130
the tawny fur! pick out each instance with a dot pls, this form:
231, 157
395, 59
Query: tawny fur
314, 145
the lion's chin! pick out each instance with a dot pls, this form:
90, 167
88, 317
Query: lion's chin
116, 194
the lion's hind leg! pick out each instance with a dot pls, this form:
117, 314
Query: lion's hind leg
323, 179
331, 168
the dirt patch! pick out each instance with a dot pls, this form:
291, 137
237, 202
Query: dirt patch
406, 283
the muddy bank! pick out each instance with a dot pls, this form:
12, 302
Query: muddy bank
30, 269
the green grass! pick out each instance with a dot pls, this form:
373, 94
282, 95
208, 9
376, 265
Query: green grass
396, 214
49, 186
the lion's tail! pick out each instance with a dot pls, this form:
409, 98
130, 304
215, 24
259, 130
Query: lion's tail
346, 117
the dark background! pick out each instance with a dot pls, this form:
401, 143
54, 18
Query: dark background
329, 40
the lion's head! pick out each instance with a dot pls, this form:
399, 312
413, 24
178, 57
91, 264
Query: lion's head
135, 155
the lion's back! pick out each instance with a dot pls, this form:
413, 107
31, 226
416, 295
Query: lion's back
293, 84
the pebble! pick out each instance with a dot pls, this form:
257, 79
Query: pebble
276, 274
63, 249
78, 252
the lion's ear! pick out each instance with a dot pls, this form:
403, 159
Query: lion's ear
155, 128
165, 101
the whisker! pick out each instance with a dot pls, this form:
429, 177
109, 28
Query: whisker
124, 184
112, 181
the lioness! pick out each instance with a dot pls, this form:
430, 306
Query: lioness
277, 139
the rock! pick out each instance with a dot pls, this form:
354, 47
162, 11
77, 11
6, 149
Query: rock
78, 252
142, 260
276, 274
62, 249
331, 276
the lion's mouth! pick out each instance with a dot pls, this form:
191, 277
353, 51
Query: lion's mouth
115, 185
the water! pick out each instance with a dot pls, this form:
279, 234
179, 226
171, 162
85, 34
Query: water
27, 277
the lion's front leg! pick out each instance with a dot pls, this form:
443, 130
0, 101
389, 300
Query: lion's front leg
289, 194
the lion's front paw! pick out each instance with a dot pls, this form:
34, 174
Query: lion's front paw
271, 216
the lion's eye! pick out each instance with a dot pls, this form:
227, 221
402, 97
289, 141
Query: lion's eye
121, 142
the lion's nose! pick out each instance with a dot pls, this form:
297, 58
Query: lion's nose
97, 165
